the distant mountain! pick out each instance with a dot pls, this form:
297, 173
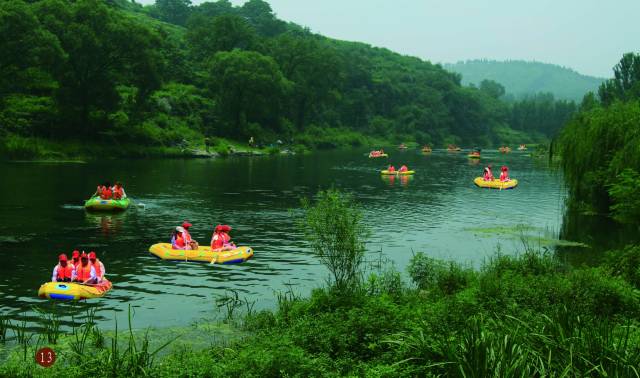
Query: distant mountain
522, 78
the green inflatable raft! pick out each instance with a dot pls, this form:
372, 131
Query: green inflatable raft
99, 204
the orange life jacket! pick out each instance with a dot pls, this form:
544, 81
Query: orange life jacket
64, 272
83, 273
98, 269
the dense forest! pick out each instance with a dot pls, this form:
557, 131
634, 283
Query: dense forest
522, 78
173, 74
599, 146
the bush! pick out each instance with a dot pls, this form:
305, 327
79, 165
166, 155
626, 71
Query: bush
333, 227
428, 273
626, 264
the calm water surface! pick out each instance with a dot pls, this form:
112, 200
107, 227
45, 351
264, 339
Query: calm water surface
439, 212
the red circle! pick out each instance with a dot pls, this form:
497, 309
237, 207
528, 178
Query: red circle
45, 357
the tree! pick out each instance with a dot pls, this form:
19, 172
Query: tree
626, 82
492, 88
249, 88
260, 15
173, 11
206, 36
104, 50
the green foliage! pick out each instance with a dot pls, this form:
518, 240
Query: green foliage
171, 72
429, 274
625, 84
625, 195
334, 228
625, 263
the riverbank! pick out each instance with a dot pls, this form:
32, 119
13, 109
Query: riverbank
20, 148
528, 315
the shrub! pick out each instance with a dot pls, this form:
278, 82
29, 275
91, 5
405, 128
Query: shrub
428, 273
334, 228
625, 263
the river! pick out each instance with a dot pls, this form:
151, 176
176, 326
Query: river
438, 211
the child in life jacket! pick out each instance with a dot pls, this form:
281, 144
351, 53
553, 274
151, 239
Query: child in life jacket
391, 169
187, 236
403, 168
177, 239
488, 175
504, 175
221, 241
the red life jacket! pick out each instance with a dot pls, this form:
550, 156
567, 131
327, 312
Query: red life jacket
219, 240
392, 169
64, 272
403, 168
83, 273
180, 241
106, 193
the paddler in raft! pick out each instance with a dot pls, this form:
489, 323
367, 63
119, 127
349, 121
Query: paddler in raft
63, 272
403, 169
75, 259
391, 169
97, 265
85, 272
118, 191
221, 240
504, 174
487, 175
181, 239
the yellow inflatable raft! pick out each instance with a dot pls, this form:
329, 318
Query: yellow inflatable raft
70, 291
495, 184
202, 254
396, 173
378, 156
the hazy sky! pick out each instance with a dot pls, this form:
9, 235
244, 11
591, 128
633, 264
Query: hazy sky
589, 36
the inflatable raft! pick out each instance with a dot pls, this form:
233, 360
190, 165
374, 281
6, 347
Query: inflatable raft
202, 254
73, 291
396, 173
473, 156
495, 184
378, 156
98, 204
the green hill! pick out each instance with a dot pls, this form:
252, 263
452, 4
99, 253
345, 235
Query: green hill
522, 78
174, 74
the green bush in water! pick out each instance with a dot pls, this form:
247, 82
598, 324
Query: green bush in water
334, 228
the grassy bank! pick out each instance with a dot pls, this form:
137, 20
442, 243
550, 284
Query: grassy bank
529, 315
14, 147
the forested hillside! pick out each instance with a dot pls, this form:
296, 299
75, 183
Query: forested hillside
521, 78
173, 74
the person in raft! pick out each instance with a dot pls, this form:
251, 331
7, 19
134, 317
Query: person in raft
403, 169
64, 271
187, 236
85, 272
118, 191
221, 240
104, 191
391, 169
488, 176
75, 259
97, 265
177, 239
504, 174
